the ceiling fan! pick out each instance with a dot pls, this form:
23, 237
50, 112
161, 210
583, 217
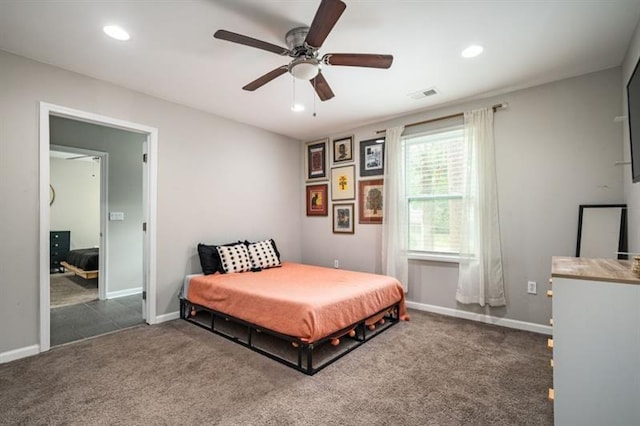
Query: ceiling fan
303, 44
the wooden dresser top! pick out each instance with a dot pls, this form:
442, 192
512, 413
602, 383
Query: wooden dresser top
611, 270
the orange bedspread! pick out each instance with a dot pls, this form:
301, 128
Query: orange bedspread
308, 302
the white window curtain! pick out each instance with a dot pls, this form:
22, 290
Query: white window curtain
394, 222
480, 277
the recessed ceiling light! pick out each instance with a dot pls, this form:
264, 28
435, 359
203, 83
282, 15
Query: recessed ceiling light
472, 51
297, 108
116, 32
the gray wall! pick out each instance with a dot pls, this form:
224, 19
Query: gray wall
556, 146
218, 181
124, 260
631, 190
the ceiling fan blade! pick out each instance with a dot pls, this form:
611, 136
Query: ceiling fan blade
322, 87
326, 17
358, 60
261, 81
251, 42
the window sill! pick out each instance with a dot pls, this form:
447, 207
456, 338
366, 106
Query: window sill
445, 258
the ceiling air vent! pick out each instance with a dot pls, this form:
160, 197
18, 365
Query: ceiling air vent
424, 93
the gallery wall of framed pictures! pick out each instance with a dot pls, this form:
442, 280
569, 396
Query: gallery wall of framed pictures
341, 181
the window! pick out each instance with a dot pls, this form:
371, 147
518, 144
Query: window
434, 185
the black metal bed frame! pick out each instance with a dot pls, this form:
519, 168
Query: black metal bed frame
305, 350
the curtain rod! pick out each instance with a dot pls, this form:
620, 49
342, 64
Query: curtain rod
460, 114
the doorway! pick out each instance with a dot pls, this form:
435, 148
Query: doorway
145, 289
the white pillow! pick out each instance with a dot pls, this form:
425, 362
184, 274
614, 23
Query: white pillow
263, 255
234, 258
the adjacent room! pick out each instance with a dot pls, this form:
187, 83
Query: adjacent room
95, 206
320, 212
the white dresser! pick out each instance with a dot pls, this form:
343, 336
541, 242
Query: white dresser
596, 342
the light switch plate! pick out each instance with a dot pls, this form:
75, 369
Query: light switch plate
116, 215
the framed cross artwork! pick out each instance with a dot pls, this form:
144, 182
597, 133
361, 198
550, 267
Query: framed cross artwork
343, 183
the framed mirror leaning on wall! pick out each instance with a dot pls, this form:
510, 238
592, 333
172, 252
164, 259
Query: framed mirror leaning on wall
602, 231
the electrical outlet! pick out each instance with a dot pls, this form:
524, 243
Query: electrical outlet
336, 263
531, 287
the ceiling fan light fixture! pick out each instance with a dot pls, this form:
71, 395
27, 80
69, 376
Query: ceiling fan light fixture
304, 69
297, 107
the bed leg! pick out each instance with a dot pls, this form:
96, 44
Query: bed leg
309, 348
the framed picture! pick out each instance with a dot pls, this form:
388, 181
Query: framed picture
370, 194
315, 160
343, 218
317, 200
372, 157
343, 150
343, 183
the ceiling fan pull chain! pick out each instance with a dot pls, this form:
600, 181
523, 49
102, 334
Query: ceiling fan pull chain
314, 97
293, 101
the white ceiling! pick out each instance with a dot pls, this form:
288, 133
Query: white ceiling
72, 156
173, 55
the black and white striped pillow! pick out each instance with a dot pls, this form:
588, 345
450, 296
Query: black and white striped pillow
234, 258
263, 255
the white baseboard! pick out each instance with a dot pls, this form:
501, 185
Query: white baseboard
124, 293
167, 317
487, 319
19, 353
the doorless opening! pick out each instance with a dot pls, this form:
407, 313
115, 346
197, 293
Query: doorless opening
149, 191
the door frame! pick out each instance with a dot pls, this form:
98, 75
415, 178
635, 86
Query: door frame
104, 208
150, 180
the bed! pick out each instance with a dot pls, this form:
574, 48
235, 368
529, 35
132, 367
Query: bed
83, 262
320, 314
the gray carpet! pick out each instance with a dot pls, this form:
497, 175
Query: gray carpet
70, 289
433, 370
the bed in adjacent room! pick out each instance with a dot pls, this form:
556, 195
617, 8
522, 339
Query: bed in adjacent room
301, 315
83, 262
